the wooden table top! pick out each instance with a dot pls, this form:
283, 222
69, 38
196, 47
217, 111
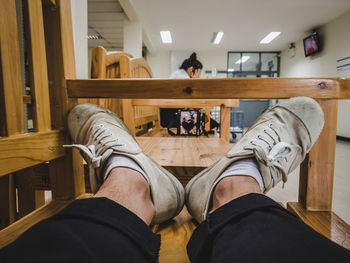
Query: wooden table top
184, 151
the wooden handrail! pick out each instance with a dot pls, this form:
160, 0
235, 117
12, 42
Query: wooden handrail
244, 88
195, 103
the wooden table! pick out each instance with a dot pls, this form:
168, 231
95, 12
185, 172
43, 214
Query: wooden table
184, 156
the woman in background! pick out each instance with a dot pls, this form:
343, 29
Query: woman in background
190, 68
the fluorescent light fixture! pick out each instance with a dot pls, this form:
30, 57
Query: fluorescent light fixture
230, 70
217, 36
166, 37
98, 36
244, 59
270, 37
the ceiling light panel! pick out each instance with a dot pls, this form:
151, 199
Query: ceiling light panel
271, 36
217, 36
166, 37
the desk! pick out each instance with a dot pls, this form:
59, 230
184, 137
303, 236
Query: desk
184, 156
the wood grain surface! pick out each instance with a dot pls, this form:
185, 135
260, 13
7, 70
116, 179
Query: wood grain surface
173, 103
239, 88
317, 171
184, 152
38, 67
11, 84
21, 151
325, 222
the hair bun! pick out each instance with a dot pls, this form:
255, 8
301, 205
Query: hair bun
193, 56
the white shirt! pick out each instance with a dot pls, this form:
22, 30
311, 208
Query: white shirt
179, 74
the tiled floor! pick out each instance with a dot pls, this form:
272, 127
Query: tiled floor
341, 190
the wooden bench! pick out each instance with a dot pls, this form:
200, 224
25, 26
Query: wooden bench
55, 91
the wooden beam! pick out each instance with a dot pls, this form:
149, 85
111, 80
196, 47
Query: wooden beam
174, 103
11, 72
144, 120
317, 171
326, 223
67, 173
244, 88
21, 151
225, 118
38, 67
12, 232
345, 91
129, 116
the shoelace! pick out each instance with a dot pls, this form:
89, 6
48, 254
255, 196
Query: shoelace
275, 152
99, 149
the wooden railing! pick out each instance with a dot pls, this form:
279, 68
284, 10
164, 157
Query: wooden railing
244, 88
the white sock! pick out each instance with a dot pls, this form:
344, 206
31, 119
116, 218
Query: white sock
244, 167
117, 160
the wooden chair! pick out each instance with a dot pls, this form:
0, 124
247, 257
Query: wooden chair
51, 60
107, 65
138, 111
56, 90
317, 171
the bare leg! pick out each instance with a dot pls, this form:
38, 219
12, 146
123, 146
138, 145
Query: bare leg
129, 188
232, 187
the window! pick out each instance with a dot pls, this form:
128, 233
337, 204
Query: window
253, 64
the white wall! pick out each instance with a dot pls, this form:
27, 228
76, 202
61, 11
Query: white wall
213, 59
336, 38
159, 63
132, 37
80, 33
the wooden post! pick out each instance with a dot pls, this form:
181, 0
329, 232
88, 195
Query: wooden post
128, 108
129, 115
67, 173
98, 63
11, 71
38, 67
26, 193
207, 125
225, 118
317, 171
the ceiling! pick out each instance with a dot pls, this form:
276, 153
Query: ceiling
105, 17
245, 23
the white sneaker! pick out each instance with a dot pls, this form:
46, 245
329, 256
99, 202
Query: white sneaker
98, 133
279, 140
